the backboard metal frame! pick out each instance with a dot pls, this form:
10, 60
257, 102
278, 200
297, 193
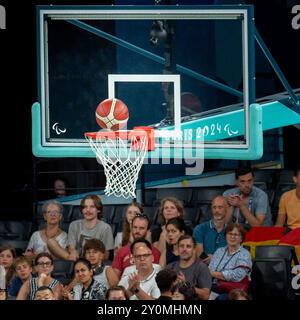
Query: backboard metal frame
242, 149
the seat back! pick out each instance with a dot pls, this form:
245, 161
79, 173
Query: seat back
3, 229
182, 194
67, 213
151, 213
76, 213
270, 278
108, 213
275, 251
205, 195
191, 216
18, 230
19, 245
63, 270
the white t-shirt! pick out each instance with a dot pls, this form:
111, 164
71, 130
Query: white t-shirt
37, 244
148, 285
118, 240
102, 278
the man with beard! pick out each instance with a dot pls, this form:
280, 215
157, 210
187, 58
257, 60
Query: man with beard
191, 269
123, 258
210, 235
248, 204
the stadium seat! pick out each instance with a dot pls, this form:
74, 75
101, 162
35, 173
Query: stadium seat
19, 245
108, 213
119, 214
191, 216
63, 270
152, 213
65, 226
76, 213
281, 188
205, 195
204, 213
150, 196
39, 214
270, 279
182, 194
16, 230
261, 185
264, 176
3, 230
271, 273
286, 176
118, 218
67, 212
275, 251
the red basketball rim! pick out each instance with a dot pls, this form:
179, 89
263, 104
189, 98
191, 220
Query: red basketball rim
137, 132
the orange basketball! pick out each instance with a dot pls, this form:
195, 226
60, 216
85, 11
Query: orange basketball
112, 114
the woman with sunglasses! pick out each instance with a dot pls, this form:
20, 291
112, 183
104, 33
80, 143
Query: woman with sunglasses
44, 267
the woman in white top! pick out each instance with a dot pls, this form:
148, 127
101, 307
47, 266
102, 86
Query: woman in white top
51, 237
94, 252
122, 238
87, 288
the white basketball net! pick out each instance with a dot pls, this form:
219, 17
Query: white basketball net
121, 162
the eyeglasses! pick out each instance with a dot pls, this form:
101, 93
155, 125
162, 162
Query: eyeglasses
53, 212
235, 235
46, 264
143, 256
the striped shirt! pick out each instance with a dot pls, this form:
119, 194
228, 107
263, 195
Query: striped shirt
33, 286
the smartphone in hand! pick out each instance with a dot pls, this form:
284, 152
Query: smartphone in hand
203, 255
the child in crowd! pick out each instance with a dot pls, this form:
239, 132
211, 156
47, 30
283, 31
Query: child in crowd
23, 269
7, 258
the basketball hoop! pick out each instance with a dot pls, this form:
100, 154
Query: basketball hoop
122, 154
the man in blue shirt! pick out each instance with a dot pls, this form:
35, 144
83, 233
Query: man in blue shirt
248, 204
210, 235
